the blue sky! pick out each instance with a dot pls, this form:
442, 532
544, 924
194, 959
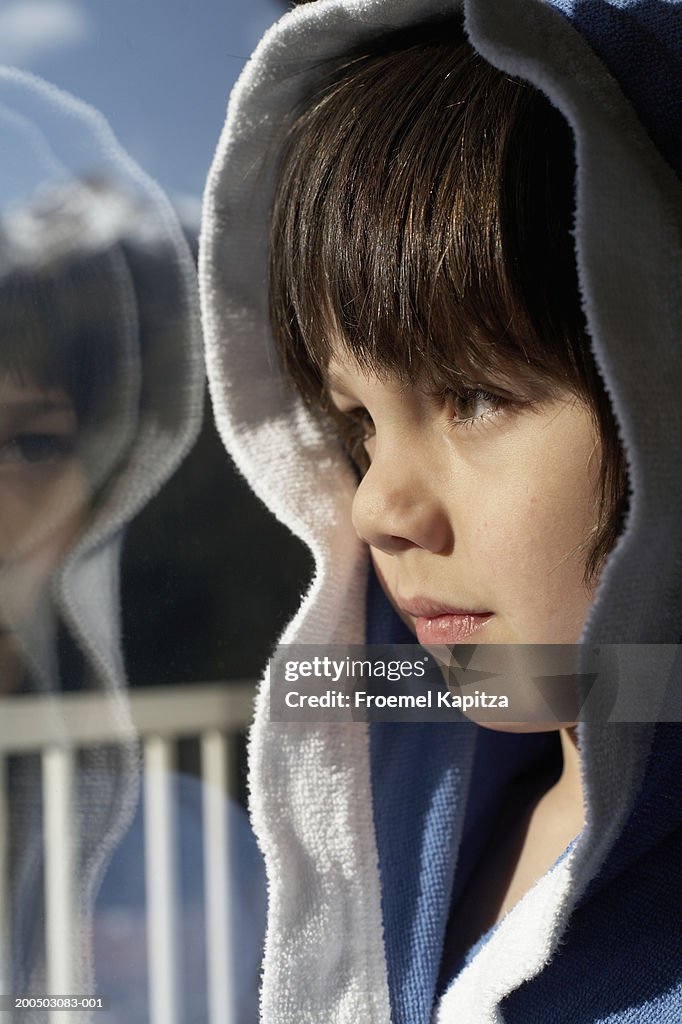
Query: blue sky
159, 70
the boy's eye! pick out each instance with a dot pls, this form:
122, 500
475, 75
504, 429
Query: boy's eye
473, 404
361, 424
356, 428
36, 448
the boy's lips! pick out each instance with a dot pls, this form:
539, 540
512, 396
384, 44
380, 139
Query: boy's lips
438, 624
449, 629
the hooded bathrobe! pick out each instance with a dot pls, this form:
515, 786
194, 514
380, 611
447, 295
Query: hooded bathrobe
369, 831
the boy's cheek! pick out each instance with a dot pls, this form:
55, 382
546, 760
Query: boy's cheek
39, 522
385, 569
42, 505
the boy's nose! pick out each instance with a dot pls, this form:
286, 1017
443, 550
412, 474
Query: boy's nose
394, 509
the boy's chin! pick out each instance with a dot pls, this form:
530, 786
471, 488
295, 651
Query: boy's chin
515, 688
521, 727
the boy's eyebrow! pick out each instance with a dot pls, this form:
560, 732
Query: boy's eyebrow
26, 408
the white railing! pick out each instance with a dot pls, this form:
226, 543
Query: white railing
56, 728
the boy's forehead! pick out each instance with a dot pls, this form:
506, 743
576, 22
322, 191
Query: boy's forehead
343, 368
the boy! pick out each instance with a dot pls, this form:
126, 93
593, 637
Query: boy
424, 294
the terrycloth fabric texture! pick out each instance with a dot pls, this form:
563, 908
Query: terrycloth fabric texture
75, 205
366, 838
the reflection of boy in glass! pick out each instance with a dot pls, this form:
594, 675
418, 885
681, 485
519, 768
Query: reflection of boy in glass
78, 329
65, 350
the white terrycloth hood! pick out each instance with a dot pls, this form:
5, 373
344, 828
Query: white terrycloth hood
310, 786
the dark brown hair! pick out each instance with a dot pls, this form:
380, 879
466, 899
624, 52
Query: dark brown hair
422, 219
56, 331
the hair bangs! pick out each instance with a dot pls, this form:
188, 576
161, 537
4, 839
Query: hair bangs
55, 331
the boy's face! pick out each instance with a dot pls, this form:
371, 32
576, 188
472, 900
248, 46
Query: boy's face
476, 508
43, 493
